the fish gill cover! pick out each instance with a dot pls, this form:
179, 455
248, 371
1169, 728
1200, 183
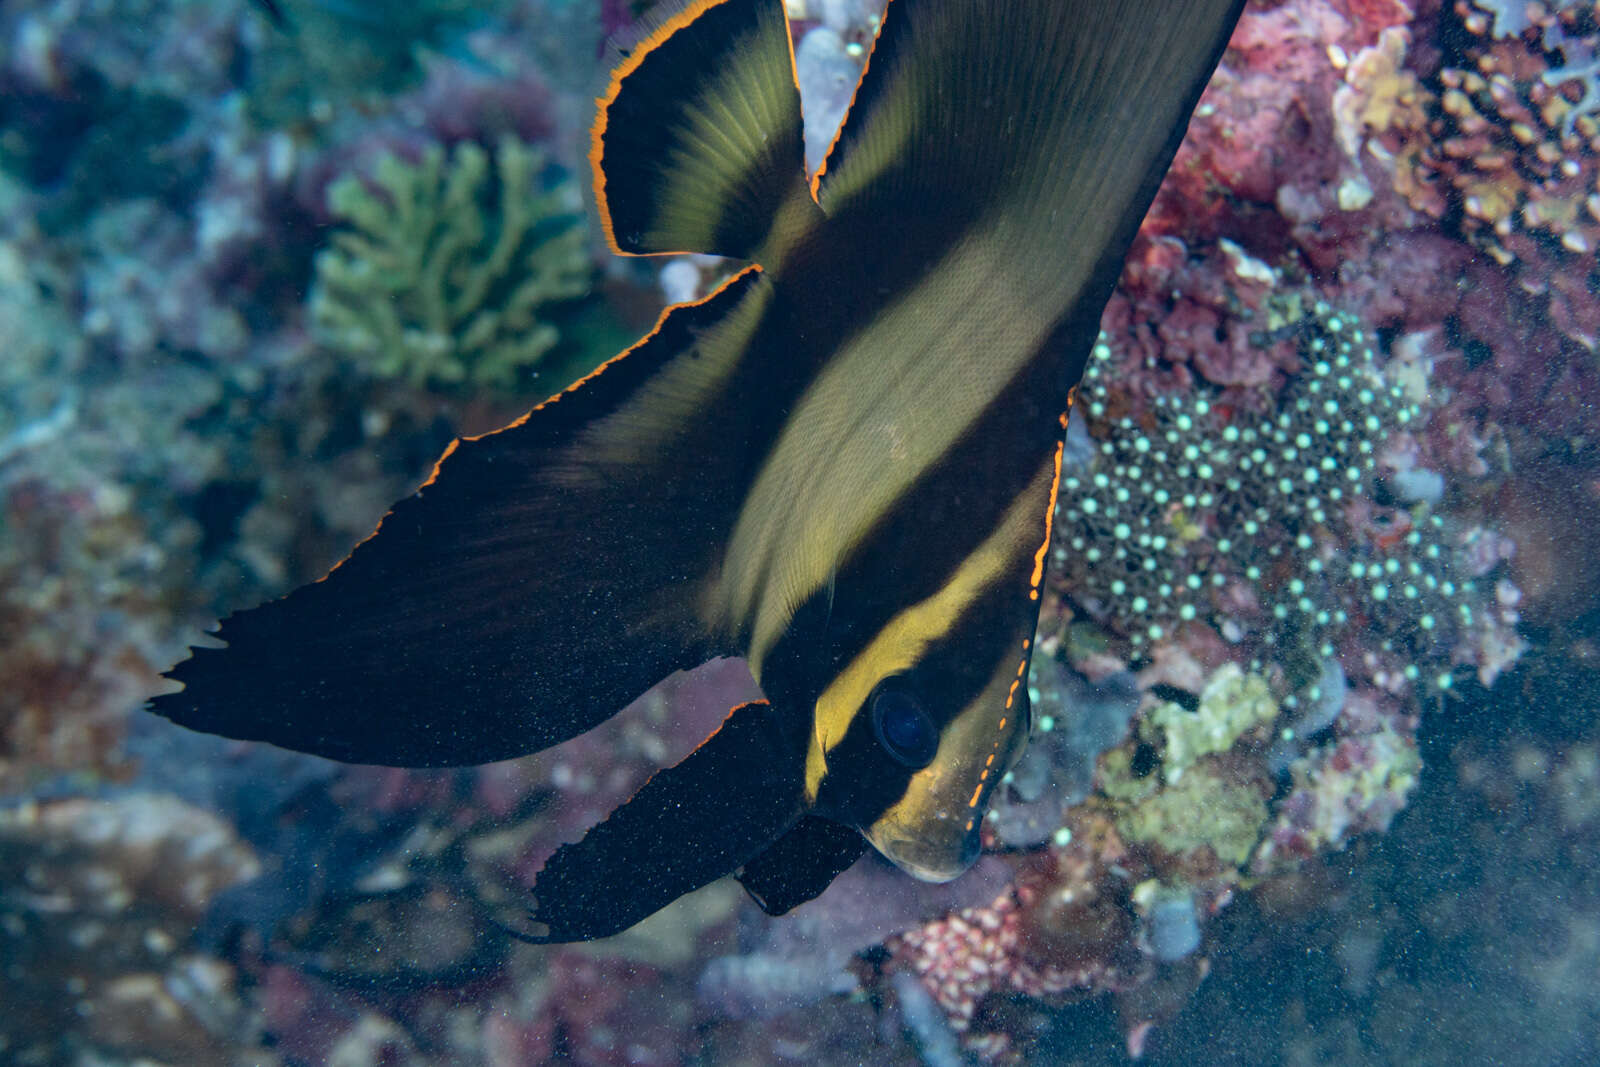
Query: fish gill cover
175, 440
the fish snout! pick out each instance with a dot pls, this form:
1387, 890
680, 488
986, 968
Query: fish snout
938, 853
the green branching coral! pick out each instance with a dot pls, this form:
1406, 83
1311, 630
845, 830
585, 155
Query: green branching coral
448, 268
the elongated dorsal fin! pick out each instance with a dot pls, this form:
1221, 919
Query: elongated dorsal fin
1051, 121
698, 146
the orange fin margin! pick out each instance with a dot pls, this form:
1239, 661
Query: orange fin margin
698, 143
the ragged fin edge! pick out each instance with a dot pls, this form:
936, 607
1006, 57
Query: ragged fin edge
422, 648
544, 405
815, 184
698, 143
689, 825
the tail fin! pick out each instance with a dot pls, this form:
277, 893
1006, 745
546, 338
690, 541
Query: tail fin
699, 142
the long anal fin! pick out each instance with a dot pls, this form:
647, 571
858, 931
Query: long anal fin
689, 825
699, 144
545, 576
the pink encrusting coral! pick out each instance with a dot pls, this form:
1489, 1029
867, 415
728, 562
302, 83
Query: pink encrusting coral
1063, 928
1259, 160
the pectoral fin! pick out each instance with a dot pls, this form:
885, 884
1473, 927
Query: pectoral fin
691, 824
801, 864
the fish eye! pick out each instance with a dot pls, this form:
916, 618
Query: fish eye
902, 726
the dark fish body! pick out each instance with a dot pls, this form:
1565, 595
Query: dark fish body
840, 466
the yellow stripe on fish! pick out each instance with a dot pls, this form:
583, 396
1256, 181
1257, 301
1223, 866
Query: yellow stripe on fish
840, 466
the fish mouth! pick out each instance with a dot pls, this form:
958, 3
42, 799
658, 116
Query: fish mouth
937, 857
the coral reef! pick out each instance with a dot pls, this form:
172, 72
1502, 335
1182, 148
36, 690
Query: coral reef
1232, 704
1063, 928
1198, 502
1553, 518
1202, 812
1353, 785
448, 270
830, 53
97, 914
1185, 814
1411, 950
1384, 205
1057, 770
1514, 153
1207, 817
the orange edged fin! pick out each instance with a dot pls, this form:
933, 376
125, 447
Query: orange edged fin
698, 144
545, 576
692, 823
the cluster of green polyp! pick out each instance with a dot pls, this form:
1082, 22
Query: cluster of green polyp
1256, 519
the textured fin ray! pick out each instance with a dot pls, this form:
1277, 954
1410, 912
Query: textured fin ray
1058, 117
699, 147
544, 577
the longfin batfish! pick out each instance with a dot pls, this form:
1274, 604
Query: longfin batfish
841, 465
